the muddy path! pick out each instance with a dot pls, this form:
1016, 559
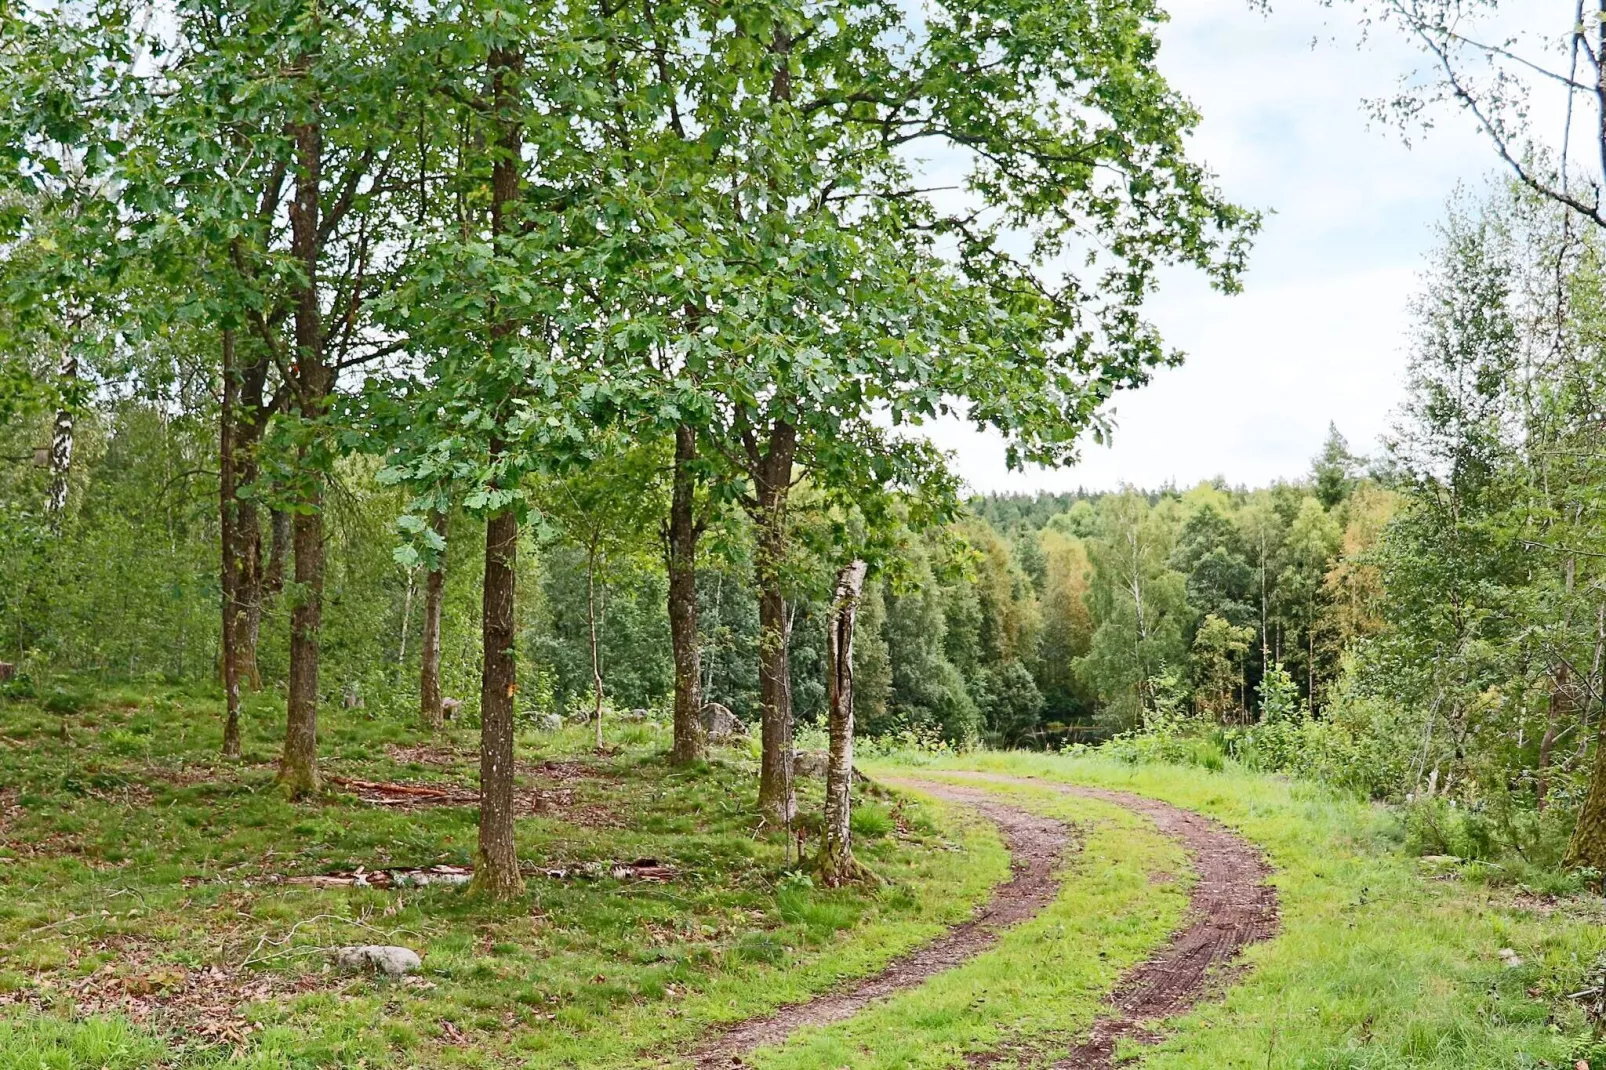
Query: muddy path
1037, 846
1231, 906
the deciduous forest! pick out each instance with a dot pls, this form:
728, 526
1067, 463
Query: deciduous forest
476, 588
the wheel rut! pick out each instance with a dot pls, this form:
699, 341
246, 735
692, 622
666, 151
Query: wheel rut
1037, 846
1232, 905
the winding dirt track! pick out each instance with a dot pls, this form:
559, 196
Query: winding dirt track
1231, 906
1036, 844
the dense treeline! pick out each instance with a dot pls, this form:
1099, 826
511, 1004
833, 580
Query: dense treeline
1018, 623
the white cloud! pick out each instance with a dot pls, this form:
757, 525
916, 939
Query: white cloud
1319, 333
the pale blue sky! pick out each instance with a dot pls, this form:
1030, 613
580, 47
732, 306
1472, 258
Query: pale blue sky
1319, 332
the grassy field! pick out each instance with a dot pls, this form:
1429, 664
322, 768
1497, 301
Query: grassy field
148, 914
155, 911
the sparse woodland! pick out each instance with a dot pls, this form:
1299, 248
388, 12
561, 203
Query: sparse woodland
465, 517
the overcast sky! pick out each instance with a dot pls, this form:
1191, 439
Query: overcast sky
1318, 333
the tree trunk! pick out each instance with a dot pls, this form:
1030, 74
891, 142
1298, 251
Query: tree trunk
61, 442
773, 479
1587, 848
250, 423
496, 870
229, 549
407, 616
429, 670
278, 553
248, 564
690, 744
591, 624
836, 862
1547, 744
298, 768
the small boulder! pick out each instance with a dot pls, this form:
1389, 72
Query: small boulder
811, 764
637, 715
719, 723
380, 958
550, 722
449, 708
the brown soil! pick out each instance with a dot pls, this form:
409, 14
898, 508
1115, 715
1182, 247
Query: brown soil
1231, 906
1036, 844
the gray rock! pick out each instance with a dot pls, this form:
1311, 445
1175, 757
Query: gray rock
550, 722
380, 958
811, 764
719, 723
637, 715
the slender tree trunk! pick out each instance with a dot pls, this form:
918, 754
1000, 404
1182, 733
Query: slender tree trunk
591, 624
298, 768
1547, 742
690, 743
61, 443
278, 553
229, 549
774, 477
836, 862
496, 870
248, 564
407, 616
249, 425
429, 670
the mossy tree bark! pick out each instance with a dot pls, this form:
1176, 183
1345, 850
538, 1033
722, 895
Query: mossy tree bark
1587, 848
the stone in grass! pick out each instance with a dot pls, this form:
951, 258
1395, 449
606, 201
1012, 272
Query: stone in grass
551, 722
390, 961
719, 723
810, 764
815, 764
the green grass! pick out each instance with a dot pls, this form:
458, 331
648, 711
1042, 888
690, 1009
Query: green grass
1382, 963
132, 862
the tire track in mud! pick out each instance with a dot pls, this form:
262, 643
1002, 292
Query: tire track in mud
1037, 846
1231, 906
